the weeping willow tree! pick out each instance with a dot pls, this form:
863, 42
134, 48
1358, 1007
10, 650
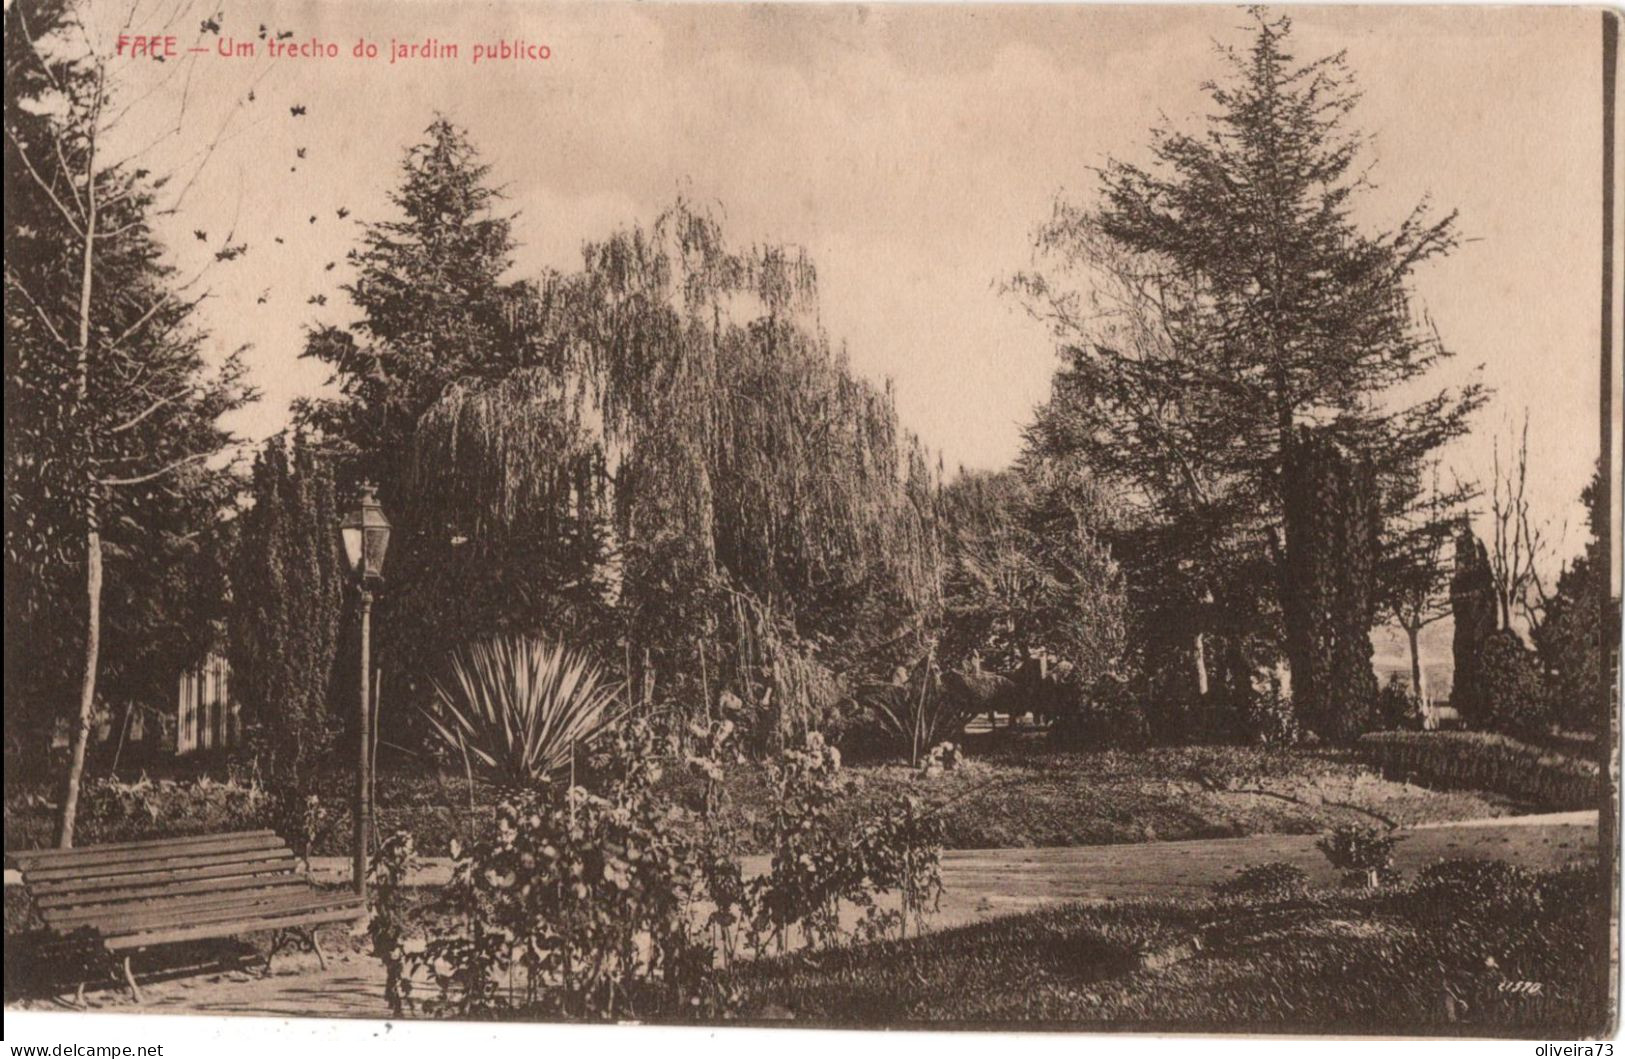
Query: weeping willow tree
772, 524
510, 531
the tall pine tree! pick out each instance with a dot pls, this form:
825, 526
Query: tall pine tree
1231, 299
437, 317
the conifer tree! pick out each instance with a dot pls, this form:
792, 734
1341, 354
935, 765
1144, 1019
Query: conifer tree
1473, 604
437, 315
1224, 297
287, 591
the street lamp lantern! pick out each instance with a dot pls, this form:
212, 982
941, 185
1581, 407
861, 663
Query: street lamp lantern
365, 532
366, 536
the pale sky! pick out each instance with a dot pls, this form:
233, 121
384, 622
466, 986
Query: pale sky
911, 150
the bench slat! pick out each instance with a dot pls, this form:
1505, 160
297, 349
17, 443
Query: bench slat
117, 924
144, 843
60, 859
68, 917
202, 859
82, 888
244, 926
162, 890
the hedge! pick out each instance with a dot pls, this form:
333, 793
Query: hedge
1485, 761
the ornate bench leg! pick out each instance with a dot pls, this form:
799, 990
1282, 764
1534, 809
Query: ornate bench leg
316, 945
277, 938
129, 976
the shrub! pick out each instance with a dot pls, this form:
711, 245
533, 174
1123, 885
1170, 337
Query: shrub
1269, 718
1273, 881
580, 904
113, 811
916, 713
1486, 761
573, 904
1110, 715
944, 757
816, 865
1398, 708
1365, 853
389, 926
516, 708
1513, 698
1466, 888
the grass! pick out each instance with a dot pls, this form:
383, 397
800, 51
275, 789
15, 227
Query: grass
1328, 962
1010, 793
1018, 795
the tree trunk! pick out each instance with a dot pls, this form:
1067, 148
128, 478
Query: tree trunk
69, 809
1201, 667
1414, 635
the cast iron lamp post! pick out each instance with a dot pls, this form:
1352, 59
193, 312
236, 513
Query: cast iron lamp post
366, 538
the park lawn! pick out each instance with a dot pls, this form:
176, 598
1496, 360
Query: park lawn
1330, 962
1009, 793
1026, 796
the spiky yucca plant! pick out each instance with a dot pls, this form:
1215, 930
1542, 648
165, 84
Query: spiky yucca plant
516, 706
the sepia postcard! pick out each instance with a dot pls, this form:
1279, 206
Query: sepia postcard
840, 516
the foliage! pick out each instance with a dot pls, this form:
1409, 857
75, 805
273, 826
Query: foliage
1469, 888
510, 511
435, 311
1486, 761
114, 810
517, 709
389, 926
1361, 850
1216, 303
1027, 570
1269, 718
943, 757
917, 711
776, 522
1413, 578
816, 867
1473, 605
1332, 522
1276, 880
1108, 714
1397, 707
574, 904
287, 592
1579, 619
302, 820
662, 451
112, 413
1512, 697
583, 905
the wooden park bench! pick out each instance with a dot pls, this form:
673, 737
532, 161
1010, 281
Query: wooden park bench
129, 896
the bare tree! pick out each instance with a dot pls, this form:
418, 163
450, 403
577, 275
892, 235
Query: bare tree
1518, 545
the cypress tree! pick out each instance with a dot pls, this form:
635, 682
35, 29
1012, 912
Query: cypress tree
287, 590
1472, 602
